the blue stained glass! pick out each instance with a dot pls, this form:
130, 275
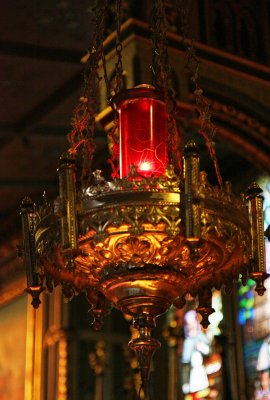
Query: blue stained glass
241, 317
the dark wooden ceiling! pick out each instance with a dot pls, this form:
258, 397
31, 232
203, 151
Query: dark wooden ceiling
41, 44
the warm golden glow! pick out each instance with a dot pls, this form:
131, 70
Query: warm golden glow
62, 369
34, 352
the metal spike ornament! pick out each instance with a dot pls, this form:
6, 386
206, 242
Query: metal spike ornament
143, 241
28, 216
258, 262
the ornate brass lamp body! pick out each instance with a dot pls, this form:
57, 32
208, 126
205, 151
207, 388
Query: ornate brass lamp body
141, 242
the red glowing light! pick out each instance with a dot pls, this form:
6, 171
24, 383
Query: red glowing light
145, 166
143, 132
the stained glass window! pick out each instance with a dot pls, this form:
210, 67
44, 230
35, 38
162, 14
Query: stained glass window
200, 361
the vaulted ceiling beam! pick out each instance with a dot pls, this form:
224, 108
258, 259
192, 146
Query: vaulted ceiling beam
38, 52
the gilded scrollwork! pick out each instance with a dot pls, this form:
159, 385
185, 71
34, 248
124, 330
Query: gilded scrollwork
223, 196
134, 181
138, 224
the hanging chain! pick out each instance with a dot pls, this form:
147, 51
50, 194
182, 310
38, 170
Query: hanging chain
81, 138
162, 78
118, 47
105, 75
208, 130
119, 85
182, 8
159, 65
113, 88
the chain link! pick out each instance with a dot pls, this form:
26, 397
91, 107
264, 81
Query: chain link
81, 138
118, 47
159, 65
162, 79
116, 85
114, 88
208, 130
105, 75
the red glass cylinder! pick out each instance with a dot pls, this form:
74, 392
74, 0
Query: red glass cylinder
143, 131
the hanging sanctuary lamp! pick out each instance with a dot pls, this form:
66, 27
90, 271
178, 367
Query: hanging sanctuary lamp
157, 230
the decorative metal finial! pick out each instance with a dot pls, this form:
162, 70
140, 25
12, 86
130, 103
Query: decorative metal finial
205, 306
257, 262
34, 287
191, 176
35, 292
144, 346
100, 307
191, 149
